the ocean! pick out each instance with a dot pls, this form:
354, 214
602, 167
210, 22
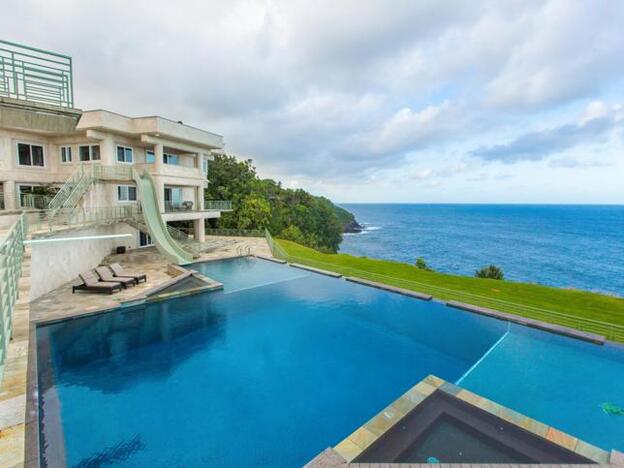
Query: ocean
568, 246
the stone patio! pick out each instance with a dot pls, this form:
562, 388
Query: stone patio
61, 303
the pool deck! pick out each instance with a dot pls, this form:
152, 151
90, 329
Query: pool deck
18, 389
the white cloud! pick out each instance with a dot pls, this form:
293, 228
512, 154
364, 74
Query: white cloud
355, 92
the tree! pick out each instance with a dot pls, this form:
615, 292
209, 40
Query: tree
491, 272
254, 213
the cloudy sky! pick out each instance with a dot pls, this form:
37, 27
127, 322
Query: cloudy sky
402, 101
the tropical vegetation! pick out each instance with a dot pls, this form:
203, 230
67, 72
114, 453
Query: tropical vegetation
257, 203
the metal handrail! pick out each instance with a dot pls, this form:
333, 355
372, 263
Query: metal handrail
65, 191
11, 257
609, 330
35, 74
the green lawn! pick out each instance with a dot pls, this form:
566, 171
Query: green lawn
573, 308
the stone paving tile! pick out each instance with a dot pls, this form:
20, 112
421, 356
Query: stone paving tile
348, 450
12, 446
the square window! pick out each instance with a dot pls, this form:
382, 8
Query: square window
124, 154
150, 157
95, 152
126, 193
30, 155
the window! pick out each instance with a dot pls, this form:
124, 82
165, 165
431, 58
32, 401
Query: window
89, 152
150, 158
145, 239
126, 193
205, 166
124, 154
173, 159
30, 155
66, 154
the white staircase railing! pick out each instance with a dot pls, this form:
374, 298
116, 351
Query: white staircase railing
65, 192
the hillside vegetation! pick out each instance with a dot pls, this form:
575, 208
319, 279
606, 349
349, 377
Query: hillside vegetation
263, 203
530, 300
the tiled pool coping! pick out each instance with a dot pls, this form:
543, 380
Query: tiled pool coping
365, 436
385, 287
180, 274
550, 327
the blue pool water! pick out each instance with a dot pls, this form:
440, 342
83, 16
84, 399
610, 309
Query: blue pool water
271, 373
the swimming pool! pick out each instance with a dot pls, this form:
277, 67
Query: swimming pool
284, 363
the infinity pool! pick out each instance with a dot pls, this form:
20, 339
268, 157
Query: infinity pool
284, 363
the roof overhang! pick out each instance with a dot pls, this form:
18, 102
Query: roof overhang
154, 126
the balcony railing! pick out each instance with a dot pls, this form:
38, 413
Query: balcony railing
209, 205
35, 75
34, 201
11, 255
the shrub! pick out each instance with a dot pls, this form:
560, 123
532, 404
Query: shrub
421, 264
491, 272
292, 233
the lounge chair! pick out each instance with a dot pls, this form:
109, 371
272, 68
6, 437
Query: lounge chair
107, 275
90, 282
119, 272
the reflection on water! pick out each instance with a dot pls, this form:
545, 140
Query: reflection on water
118, 453
124, 341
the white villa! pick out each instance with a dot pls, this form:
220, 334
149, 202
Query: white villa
93, 157
128, 182
41, 145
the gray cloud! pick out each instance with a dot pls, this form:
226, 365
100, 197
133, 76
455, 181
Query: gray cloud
535, 146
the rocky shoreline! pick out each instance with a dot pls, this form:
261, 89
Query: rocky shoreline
352, 227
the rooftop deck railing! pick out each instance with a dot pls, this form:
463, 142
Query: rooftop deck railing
610, 331
11, 256
36, 75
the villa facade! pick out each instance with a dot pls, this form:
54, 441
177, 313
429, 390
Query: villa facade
42, 146
119, 182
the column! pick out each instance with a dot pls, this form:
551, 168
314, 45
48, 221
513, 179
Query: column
108, 152
10, 195
160, 193
199, 198
199, 230
159, 155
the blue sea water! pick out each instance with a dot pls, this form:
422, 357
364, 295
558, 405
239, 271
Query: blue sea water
571, 246
272, 373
